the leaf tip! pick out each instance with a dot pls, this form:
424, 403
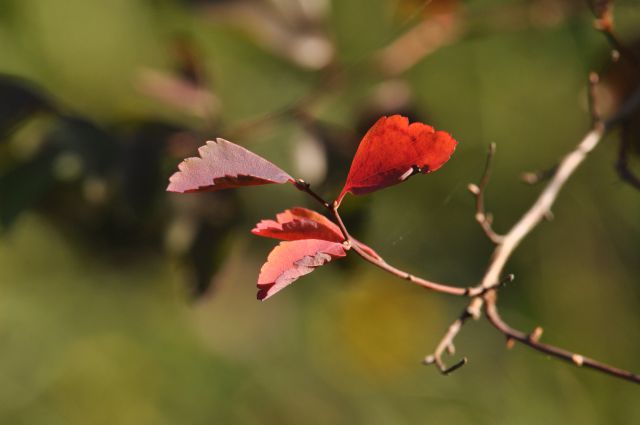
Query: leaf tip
173, 185
262, 294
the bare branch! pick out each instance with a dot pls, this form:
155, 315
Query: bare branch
446, 345
306, 187
541, 207
483, 218
536, 213
622, 163
485, 293
372, 257
532, 340
382, 264
596, 118
604, 23
615, 42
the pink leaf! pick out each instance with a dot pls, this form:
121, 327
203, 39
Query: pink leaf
290, 260
222, 165
392, 151
299, 223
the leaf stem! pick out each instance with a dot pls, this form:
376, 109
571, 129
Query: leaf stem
372, 257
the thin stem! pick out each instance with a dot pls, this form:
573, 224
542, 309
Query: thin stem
535, 214
532, 341
446, 345
380, 263
596, 118
306, 187
372, 257
485, 293
603, 12
620, 47
622, 163
482, 217
604, 23
542, 206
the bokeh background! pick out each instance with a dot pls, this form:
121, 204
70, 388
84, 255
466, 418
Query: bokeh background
122, 304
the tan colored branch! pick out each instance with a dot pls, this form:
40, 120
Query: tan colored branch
483, 218
446, 345
374, 258
535, 214
532, 340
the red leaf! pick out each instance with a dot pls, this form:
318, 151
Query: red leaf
290, 260
299, 223
222, 165
392, 151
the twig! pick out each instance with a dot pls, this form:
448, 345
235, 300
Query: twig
536, 213
446, 345
596, 118
622, 163
484, 294
382, 264
625, 111
483, 218
532, 340
603, 12
372, 257
306, 187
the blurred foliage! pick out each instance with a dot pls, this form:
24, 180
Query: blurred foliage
101, 100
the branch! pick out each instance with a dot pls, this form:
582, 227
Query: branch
536, 177
538, 211
483, 218
484, 294
532, 340
622, 163
372, 257
596, 118
603, 12
446, 345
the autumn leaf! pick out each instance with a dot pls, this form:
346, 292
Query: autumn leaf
392, 151
290, 260
299, 223
223, 165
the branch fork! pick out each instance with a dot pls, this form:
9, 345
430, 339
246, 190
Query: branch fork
484, 295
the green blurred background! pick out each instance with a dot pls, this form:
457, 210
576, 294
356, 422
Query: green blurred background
120, 304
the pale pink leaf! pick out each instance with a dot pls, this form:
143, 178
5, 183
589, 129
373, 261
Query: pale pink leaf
299, 223
222, 165
290, 260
